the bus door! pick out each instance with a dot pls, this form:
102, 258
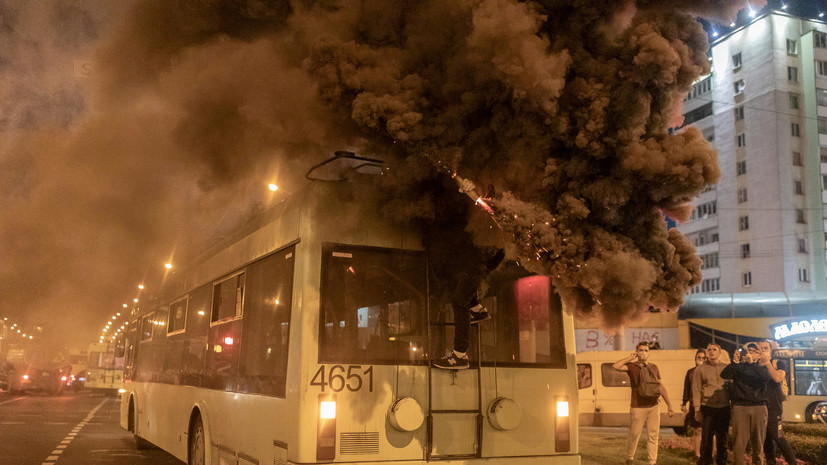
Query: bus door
455, 408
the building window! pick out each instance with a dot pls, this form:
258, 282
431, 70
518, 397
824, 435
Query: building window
824, 182
739, 86
697, 114
791, 46
802, 245
795, 129
803, 275
799, 216
822, 125
797, 159
743, 223
820, 39
794, 101
821, 67
711, 285
823, 151
741, 168
821, 96
741, 140
745, 250
736, 60
742, 195
799, 187
748, 279
739, 113
792, 74
709, 260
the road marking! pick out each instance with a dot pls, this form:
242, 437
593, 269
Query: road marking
52, 459
12, 400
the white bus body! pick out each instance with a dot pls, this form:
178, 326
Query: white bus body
323, 301
807, 384
104, 371
605, 394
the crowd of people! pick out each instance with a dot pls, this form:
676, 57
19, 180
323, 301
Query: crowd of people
744, 395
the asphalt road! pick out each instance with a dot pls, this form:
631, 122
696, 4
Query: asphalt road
71, 429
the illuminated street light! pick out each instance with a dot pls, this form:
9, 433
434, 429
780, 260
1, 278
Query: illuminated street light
168, 266
273, 187
135, 300
140, 286
124, 305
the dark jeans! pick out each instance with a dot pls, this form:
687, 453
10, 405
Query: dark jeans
463, 298
715, 424
775, 436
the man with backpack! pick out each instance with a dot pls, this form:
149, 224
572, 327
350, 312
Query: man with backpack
777, 391
647, 389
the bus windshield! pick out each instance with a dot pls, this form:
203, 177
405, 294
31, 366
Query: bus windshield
373, 305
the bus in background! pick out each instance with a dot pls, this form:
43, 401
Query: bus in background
605, 393
78, 359
308, 338
104, 372
807, 384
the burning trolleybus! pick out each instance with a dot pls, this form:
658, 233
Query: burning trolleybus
307, 339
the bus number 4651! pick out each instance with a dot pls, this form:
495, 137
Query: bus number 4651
338, 378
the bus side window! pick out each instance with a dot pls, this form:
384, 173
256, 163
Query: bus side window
264, 342
584, 375
195, 336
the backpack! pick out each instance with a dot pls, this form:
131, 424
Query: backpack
649, 386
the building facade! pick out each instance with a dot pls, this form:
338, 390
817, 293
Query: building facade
764, 108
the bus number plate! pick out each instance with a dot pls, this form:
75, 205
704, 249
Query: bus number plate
339, 377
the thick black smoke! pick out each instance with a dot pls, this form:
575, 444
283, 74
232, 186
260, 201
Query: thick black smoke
561, 108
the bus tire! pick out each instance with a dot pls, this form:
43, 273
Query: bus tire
809, 412
140, 443
196, 450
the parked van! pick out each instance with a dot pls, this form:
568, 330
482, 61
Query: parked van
605, 393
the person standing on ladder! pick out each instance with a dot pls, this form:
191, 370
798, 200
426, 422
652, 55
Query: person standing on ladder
462, 238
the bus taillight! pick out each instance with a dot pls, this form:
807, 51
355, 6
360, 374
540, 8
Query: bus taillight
562, 434
326, 440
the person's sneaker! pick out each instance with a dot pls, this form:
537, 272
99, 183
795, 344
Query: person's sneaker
452, 362
479, 314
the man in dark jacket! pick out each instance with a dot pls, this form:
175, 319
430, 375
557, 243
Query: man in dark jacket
749, 404
774, 407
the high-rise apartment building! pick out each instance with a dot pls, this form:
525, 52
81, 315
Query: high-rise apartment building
764, 108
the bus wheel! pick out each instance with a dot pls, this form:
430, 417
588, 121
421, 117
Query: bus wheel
196, 446
140, 443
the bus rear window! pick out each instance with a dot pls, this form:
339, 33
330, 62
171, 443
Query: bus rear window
373, 305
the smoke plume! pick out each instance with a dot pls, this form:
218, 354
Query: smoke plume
560, 109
